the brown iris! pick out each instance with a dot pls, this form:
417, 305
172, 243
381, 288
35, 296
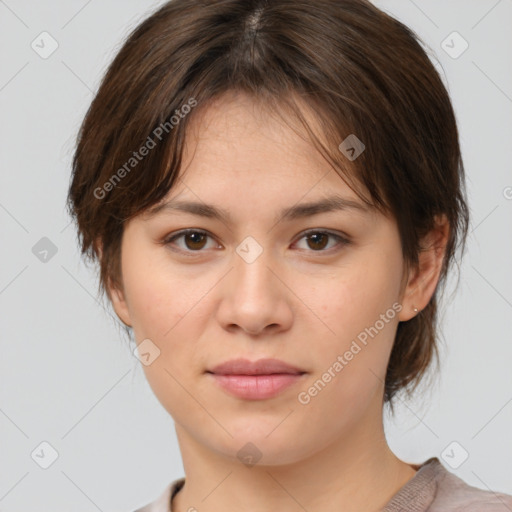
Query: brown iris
315, 237
197, 239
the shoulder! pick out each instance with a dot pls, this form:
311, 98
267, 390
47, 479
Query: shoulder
163, 502
435, 489
453, 495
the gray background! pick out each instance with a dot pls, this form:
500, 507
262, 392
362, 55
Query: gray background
67, 376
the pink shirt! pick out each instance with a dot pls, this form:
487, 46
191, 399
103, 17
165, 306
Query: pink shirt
432, 489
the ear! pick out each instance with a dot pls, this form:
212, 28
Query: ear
422, 280
116, 294
118, 299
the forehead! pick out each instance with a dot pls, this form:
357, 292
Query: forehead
240, 154
246, 133
238, 139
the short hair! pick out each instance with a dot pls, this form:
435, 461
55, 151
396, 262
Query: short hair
361, 71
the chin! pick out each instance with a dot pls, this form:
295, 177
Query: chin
258, 445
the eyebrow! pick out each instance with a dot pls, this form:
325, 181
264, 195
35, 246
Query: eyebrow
299, 211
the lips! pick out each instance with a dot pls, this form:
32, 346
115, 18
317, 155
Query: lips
260, 367
256, 387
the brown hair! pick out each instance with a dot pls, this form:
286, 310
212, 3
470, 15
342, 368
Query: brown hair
363, 73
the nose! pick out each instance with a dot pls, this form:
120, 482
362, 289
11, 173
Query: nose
255, 298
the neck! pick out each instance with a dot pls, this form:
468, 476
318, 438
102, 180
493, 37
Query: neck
352, 473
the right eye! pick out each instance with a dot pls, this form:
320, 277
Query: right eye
194, 240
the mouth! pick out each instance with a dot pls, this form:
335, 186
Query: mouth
251, 368
256, 387
256, 374
255, 380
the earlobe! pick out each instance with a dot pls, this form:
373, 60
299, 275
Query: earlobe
423, 279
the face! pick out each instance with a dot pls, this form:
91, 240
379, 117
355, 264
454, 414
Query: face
320, 291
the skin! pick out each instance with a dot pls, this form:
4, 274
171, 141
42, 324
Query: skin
299, 301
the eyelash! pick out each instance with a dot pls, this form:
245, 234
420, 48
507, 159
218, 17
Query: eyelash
342, 240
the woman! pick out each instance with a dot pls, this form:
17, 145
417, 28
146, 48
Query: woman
274, 192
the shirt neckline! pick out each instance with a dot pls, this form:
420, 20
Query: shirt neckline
414, 496
419, 492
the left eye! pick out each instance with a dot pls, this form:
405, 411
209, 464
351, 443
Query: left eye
320, 238
194, 240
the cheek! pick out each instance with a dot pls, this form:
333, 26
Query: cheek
358, 309
171, 309
159, 297
354, 298
153, 308
165, 308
